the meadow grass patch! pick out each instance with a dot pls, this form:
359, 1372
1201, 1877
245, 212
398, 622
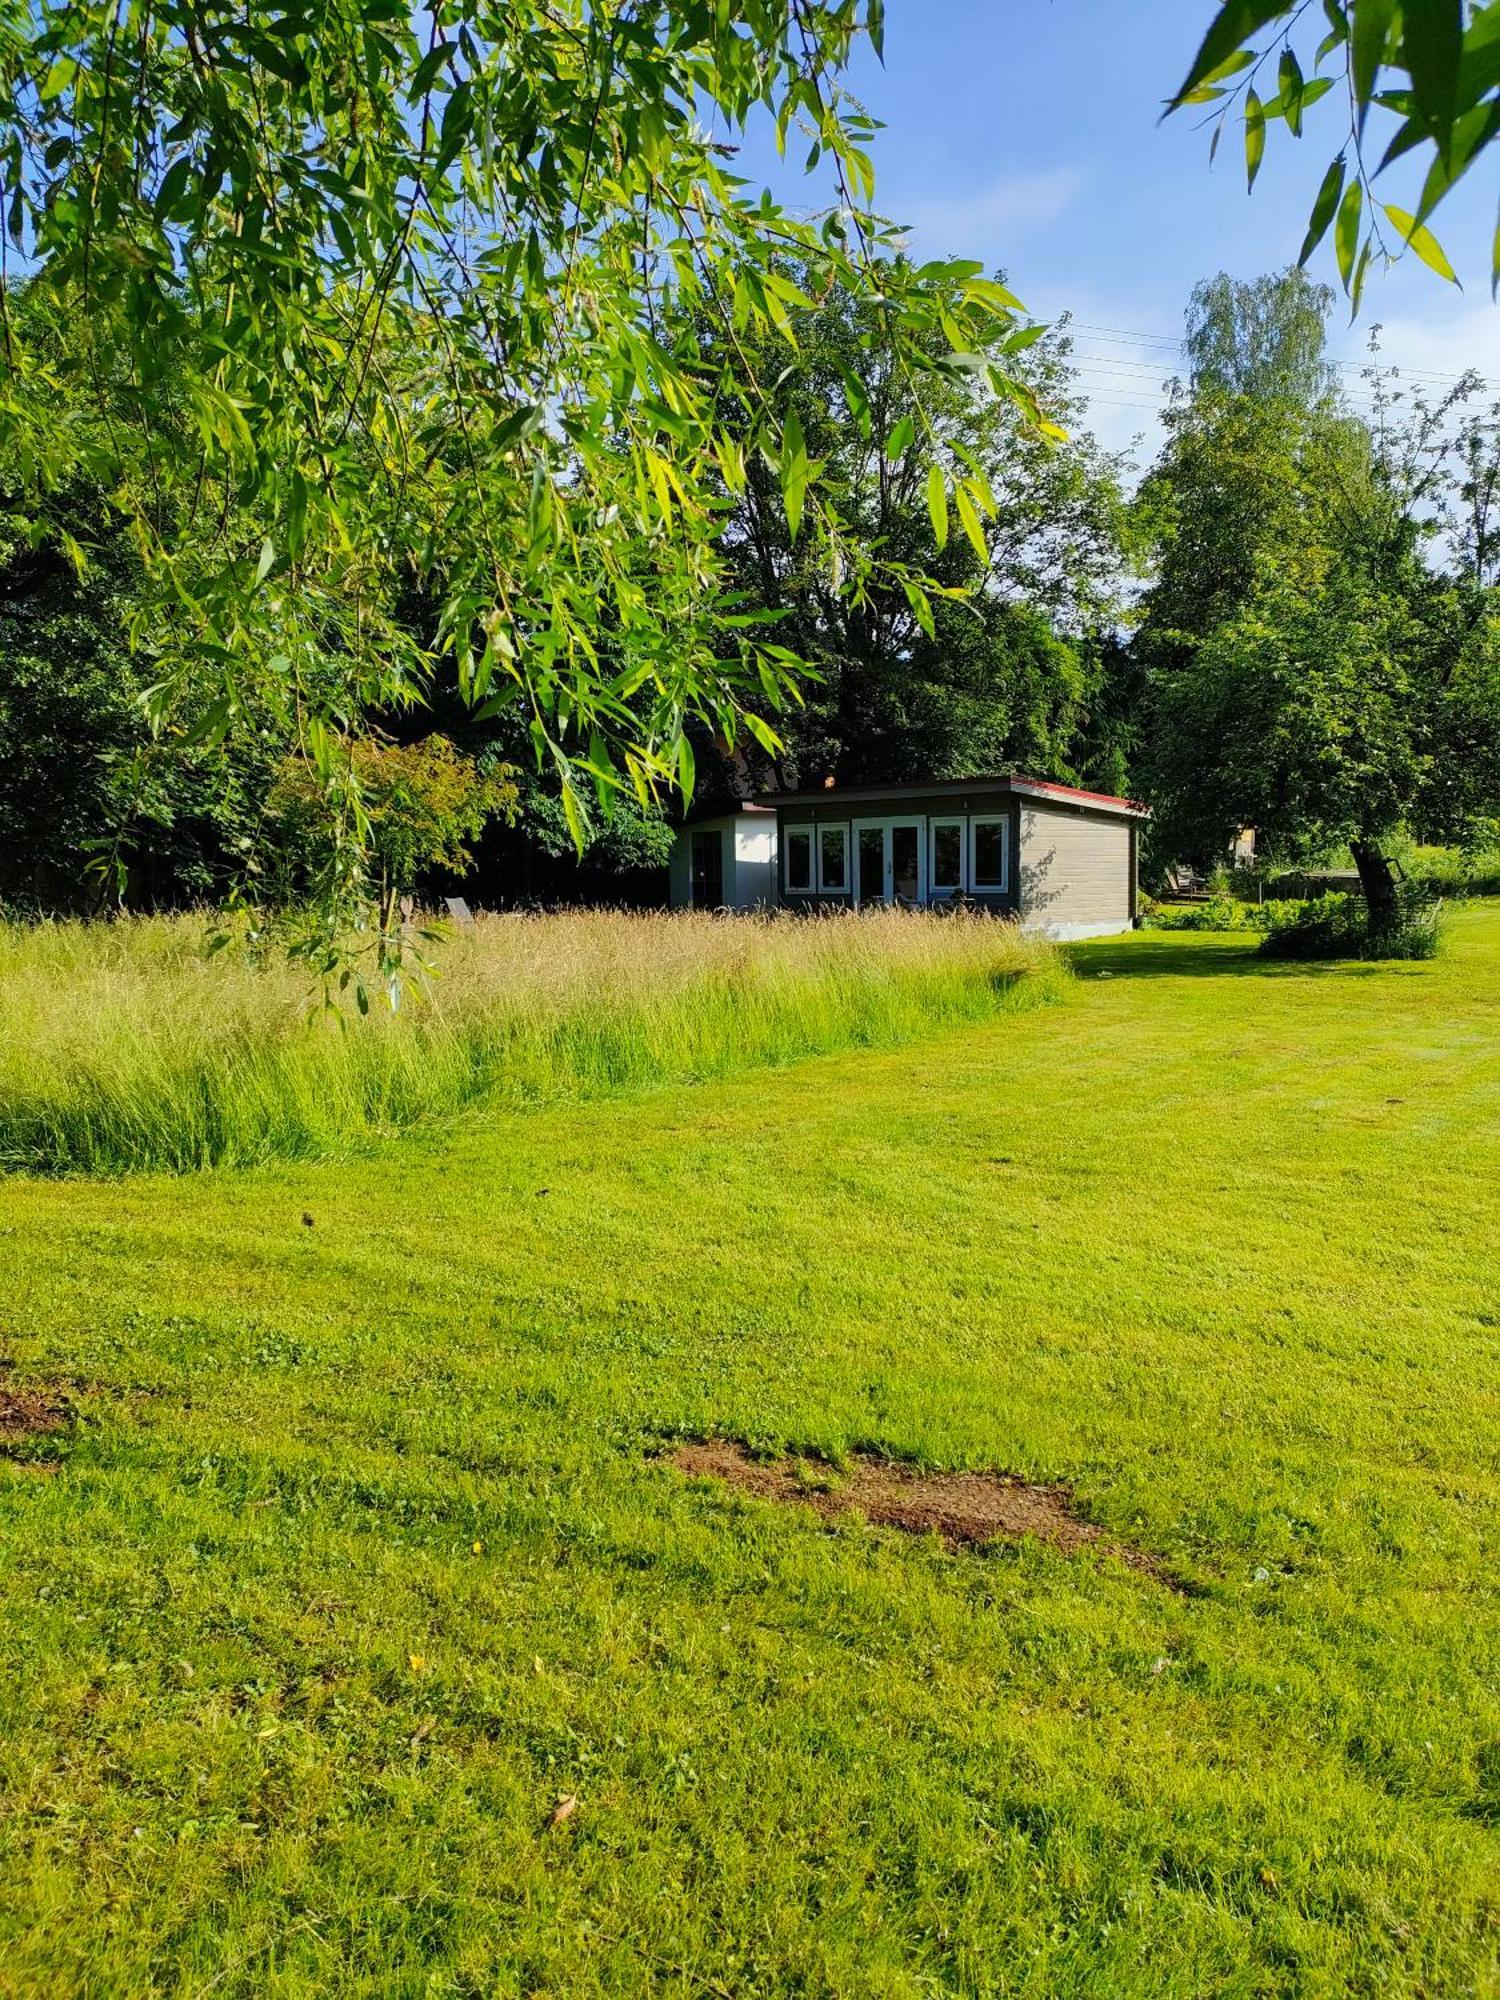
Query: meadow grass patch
305, 1647
126, 1047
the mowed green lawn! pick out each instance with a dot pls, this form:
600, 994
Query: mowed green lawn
357, 1562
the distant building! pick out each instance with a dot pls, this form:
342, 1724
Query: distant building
1063, 861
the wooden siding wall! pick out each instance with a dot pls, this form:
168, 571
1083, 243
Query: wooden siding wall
1075, 867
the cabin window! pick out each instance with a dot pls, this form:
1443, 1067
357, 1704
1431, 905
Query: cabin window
988, 841
833, 860
799, 860
947, 857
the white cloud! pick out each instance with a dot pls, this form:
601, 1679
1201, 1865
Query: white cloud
983, 221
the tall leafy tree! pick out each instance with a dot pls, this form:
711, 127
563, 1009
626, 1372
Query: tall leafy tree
1019, 534
1310, 672
359, 289
96, 806
1265, 338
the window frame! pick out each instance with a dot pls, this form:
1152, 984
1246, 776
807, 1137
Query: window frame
788, 886
941, 891
977, 820
846, 887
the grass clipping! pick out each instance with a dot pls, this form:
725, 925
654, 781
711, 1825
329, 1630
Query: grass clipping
123, 1047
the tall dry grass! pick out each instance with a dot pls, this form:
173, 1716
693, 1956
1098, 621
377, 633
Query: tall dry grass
123, 1046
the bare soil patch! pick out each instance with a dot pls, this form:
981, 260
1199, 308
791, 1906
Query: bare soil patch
966, 1508
28, 1413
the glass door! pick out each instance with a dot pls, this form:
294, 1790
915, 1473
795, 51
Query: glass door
906, 863
888, 861
870, 883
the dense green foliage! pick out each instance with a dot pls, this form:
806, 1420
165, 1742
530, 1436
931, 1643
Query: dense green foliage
1022, 531
1218, 912
1326, 926
419, 805
356, 1563
94, 806
1321, 666
357, 365
1448, 871
1339, 927
363, 303
1263, 343
991, 641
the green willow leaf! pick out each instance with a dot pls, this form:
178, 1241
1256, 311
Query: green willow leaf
973, 527
1231, 29
1346, 231
1323, 209
793, 471
1371, 32
1240, 60
1479, 65
900, 440
1412, 132
1471, 135
1432, 39
1416, 236
173, 187
921, 607
937, 504
1357, 283
1255, 136
858, 399
1289, 75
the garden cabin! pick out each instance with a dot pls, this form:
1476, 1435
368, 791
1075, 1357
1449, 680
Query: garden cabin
1063, 861
726, 861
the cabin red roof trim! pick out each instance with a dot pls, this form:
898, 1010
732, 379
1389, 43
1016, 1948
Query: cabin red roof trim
1051, 790
941, 788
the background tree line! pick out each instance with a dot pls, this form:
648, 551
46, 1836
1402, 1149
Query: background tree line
1290, 625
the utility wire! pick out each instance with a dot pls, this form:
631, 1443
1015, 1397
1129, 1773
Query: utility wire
1136, 337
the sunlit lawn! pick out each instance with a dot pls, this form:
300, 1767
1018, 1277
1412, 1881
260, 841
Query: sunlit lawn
357, 1562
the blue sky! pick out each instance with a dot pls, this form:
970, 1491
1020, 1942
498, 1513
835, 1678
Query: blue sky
1025, 132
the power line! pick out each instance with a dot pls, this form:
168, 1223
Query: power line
1136, 337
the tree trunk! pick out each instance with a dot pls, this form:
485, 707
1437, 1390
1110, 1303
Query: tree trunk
1378, 880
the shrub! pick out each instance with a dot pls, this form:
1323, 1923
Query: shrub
421, 804
1450, 871
1338, 927
1219, 913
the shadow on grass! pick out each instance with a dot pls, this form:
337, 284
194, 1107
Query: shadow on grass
1201, 955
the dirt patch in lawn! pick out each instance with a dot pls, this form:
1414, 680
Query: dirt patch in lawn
27, 1413
966, 1508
